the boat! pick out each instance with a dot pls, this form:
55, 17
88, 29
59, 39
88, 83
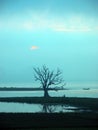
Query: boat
86, 88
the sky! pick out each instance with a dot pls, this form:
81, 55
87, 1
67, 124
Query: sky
56, 33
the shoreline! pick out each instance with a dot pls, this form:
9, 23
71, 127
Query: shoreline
44, 120
51, 120
90, 103
29, 89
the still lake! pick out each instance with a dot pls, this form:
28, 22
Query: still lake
35, 108
93, 93
32, 108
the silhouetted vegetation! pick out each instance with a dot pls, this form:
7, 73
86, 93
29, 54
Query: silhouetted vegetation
48, 78
29, 89
85, 103
47, 117
19, 89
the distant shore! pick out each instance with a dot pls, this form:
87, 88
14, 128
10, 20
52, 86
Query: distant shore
28, 89
19, 89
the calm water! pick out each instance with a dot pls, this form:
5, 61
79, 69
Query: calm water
93, 93
36, 108
23, 107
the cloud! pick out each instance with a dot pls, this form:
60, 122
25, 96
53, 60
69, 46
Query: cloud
63, 29
34, 47
37, 22
73, 29
96, 28
28, 25
75, 24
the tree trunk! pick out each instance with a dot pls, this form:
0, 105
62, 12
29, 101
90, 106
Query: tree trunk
45, 108
46, 93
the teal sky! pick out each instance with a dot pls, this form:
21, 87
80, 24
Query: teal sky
57, 33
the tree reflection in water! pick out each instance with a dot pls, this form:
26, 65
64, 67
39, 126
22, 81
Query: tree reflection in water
48, 108
52, 108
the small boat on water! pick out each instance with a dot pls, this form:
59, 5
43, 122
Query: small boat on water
86, 88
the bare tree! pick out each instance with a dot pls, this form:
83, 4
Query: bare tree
48, 108
48, 78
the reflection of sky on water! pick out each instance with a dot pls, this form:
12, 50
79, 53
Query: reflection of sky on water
18, 107
21, 93
23, 107
79, 93
68, 93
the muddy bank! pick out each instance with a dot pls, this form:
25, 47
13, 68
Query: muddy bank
44, 120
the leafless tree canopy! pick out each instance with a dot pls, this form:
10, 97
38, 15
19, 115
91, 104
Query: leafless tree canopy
47, 77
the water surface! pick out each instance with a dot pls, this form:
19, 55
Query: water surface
92, 93
36, 108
